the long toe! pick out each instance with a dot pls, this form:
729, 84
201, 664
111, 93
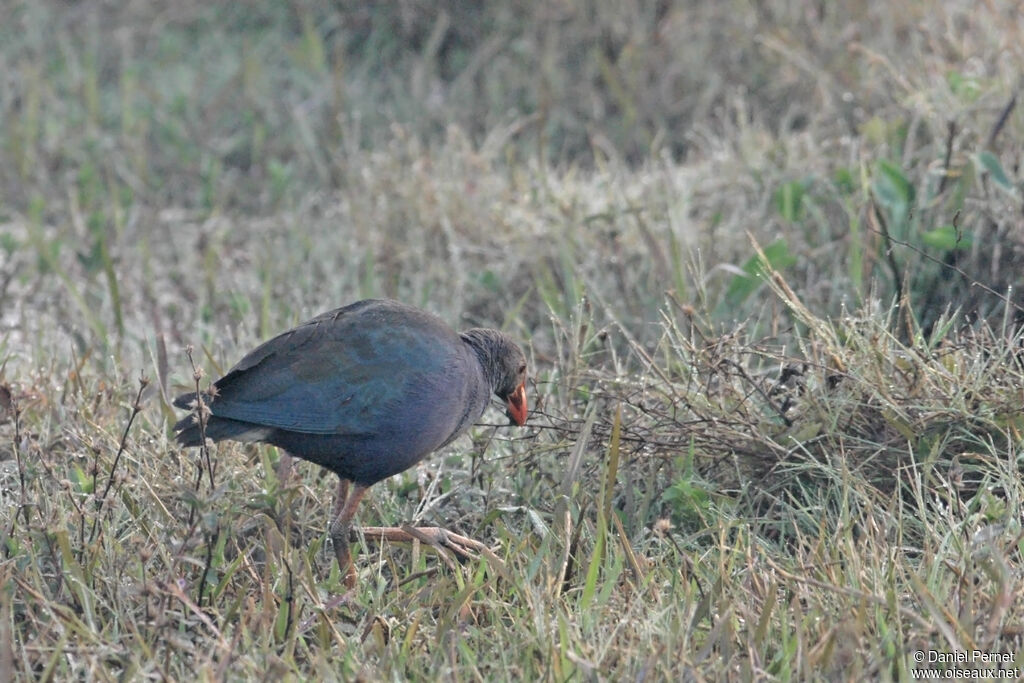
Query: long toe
434, 536
441, 540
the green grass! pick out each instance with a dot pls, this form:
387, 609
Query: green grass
763, 257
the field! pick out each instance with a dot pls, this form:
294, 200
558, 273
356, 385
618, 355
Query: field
765, 259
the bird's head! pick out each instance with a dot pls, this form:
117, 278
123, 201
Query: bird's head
504, 366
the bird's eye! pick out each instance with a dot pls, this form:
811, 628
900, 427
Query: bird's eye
522, 369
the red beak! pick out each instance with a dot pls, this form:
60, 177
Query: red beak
517, 405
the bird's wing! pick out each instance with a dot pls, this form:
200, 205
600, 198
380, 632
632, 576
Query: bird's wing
337, 373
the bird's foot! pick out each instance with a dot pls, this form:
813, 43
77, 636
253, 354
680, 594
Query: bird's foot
434, 536
440, 539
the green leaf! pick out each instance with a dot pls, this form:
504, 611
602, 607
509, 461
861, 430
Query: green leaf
594, 568
965, 87
83, 482
894, 193
789, 199
891, 187
947, 238
778, 257
988, 162
689, 500
613, 464
844, 181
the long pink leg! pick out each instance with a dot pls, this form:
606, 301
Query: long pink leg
346, 502
345, 505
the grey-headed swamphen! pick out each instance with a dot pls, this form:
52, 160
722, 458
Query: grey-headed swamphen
366, 391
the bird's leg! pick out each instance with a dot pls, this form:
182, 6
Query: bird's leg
340, 497
345, 505
284, 467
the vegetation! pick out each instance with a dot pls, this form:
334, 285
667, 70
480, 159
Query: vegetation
764, 255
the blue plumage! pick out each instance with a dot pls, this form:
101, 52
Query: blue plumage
366, 391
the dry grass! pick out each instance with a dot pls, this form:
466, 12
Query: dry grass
765, 257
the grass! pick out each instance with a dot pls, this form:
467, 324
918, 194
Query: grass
763, 257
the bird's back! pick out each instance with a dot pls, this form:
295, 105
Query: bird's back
366, 390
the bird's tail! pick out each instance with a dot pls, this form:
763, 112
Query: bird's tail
216, 428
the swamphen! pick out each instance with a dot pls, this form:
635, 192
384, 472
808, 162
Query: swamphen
366, 391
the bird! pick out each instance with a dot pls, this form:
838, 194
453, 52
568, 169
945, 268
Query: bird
365, 391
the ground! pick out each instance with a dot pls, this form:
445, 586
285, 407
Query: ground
763, 257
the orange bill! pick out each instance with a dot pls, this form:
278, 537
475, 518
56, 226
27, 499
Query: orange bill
517, 405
